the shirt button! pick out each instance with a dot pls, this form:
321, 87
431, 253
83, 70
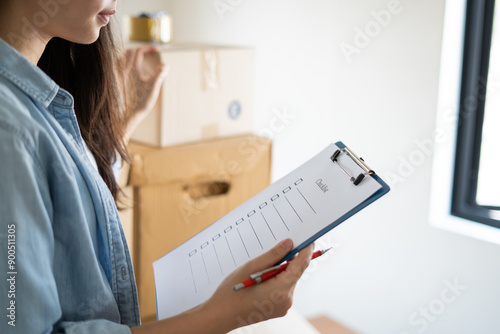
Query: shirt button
124, 273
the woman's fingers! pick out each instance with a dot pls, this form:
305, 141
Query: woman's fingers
266, 300
145, 72
129, 59
297, 266
271, 257
138, 63
151, 72
159, 75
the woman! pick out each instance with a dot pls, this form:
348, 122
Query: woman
67, 265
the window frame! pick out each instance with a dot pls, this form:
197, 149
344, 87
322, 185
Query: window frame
477, 45
450, 97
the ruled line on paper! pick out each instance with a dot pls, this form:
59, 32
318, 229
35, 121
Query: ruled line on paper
205, 266
246, 250
293, 209
268, 226
231, 251
258, 239
281, 217
300, 192
218, 261
192, 276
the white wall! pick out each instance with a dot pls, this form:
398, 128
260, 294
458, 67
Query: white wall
389, 263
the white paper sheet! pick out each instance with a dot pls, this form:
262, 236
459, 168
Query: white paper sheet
297, 206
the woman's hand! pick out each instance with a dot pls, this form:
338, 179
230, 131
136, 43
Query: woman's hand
228, 309
144, 74
269, 299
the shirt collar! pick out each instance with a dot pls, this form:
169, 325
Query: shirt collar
28, 77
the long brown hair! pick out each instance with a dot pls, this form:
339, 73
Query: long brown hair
91, 74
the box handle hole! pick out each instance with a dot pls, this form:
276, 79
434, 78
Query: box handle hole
207, 189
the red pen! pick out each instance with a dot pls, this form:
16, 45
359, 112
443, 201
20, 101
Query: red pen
266, 274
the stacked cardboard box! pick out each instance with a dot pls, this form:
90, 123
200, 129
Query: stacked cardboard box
180, 190
208, 94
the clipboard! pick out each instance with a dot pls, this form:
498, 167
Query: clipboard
303, 205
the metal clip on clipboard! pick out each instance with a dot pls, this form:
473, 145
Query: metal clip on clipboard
359, 161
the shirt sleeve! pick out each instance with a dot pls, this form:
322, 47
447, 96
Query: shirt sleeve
29, 296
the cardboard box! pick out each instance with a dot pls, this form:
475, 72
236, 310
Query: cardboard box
208, 94
293, 322
325, 325
178, 191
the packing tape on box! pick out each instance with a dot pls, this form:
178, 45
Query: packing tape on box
150, 27
210, 69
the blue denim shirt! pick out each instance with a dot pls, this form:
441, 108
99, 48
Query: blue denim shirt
64, 261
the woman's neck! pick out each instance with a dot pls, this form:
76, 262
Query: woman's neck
18, 29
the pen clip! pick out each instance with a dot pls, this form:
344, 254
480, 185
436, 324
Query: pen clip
256, 275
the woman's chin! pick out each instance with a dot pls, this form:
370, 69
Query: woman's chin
88, 35
87, 39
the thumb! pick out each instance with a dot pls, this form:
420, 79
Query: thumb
272, 256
